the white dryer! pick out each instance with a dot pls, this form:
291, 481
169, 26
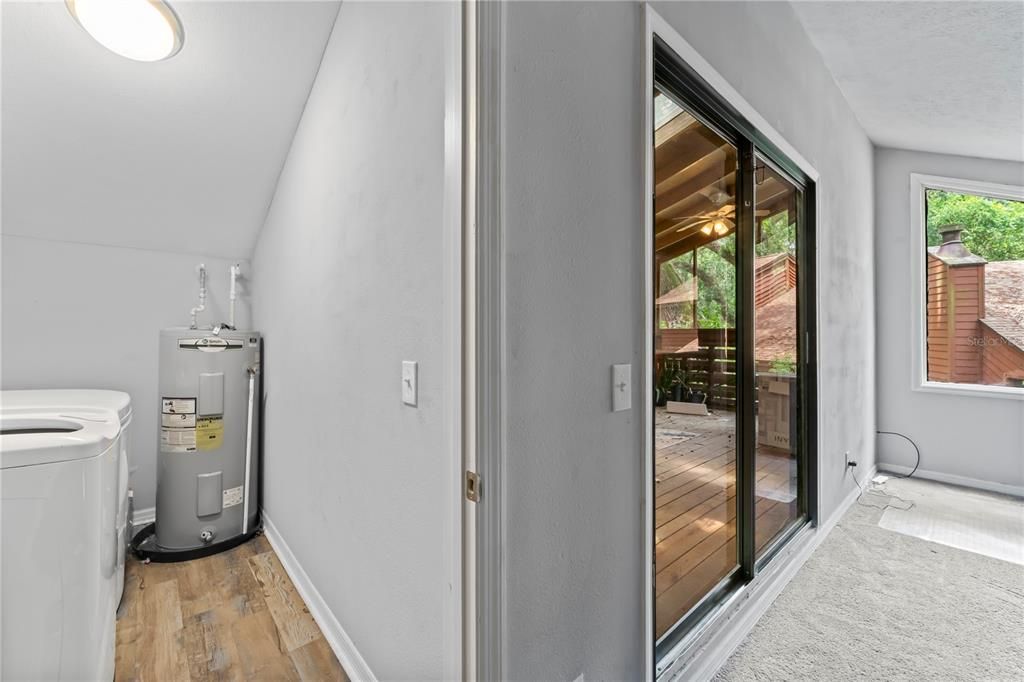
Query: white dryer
64, 483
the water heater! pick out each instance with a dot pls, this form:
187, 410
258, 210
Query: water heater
208, 426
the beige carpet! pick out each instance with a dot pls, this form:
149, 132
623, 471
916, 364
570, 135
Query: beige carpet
873, 604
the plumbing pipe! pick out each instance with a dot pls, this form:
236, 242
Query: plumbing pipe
232, 295
253, 371
202, 294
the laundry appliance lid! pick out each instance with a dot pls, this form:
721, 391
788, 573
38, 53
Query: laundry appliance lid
35, 438
68, 402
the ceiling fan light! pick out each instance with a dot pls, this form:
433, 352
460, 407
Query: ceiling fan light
720, 227
706, 229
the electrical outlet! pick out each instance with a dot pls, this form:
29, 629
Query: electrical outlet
849, 462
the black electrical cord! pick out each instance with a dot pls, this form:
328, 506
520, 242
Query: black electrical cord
916, 449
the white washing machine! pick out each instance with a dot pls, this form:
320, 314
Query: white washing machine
64, 480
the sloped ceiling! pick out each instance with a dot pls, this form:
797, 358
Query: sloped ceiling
929, 76
180, 155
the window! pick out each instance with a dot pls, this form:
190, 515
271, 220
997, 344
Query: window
971, 241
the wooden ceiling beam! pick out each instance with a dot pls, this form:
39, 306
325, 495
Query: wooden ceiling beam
690, 243
683, 150
714, 169
689, 200
769, 192
673, 127
666, 229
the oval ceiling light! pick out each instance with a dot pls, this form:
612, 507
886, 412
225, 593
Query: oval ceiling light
143, 30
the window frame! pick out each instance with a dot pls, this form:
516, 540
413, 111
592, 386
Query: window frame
920, 183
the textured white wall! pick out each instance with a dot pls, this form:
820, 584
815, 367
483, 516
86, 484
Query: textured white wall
120, 176
969, 436
86, 316
176, 155
351, 269
574, 269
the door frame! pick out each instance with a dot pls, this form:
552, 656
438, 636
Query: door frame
455, 337
655, 27
484, 349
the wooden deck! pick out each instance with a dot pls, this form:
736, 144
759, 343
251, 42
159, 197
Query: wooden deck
695, 507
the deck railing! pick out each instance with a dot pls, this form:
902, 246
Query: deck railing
711, 368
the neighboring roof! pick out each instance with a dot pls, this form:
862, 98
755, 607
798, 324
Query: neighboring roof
1004, 290
684, 293
775, 329
1008, 329
1004, 300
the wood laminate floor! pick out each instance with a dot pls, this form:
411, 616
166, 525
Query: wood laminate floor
231, 616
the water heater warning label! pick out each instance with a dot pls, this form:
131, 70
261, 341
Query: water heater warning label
178, 424
178, 440
179, 406
209, 433
178, 421
232, 496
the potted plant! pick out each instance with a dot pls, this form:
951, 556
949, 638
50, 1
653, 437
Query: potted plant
664, 387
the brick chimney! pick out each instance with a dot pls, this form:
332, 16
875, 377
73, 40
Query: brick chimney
956, 304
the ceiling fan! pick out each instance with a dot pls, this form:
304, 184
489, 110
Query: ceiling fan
720, 220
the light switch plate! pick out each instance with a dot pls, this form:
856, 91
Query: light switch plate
409, 382
622, 388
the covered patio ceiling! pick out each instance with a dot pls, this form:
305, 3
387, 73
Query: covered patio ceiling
695, 183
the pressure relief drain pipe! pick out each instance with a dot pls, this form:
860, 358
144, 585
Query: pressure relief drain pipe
232, 295
202, 294
252, 371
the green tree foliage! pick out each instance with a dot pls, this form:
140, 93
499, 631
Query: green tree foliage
716, 286
716, 275
778, 235
993, 228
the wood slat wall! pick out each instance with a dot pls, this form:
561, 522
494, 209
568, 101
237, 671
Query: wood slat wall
1000, 359
773, 280
711, 369
955, 306
670, 339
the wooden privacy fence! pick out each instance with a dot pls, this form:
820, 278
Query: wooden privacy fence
711, 368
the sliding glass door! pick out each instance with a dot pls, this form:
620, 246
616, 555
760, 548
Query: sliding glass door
732, 306
695, 171
778, 205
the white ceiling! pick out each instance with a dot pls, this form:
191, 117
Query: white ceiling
180, 155
931, 76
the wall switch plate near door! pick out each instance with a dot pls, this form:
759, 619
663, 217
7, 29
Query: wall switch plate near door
409, 382
622, 388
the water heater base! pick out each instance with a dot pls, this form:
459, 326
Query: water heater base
145, 548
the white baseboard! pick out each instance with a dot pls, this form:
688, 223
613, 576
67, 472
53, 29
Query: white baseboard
353, 663
140, 517
1004, 488
705, 658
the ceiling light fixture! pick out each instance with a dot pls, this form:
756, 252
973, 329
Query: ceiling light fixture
143, 30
